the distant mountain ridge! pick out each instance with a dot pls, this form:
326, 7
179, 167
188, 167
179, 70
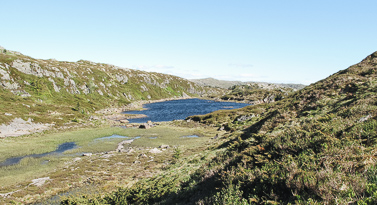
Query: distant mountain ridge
212, 82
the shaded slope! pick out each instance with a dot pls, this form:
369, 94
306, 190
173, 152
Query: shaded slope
317, 146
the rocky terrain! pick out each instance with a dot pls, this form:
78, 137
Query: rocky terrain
316, 146
211, 82
52, 92
255, 93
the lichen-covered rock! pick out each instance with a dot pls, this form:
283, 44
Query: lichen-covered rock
85, 89
121, 78
56, 88
5, 74
31, 68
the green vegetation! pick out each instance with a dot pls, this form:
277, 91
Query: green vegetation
61, 86
313, 146
257, 94
316, 146
67, 171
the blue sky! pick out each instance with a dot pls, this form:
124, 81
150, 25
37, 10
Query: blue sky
291, 41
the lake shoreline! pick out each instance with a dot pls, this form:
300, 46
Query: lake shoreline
20, 127
181, 109
112, 116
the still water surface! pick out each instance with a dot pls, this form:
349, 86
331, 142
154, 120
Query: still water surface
61, 148
181, 109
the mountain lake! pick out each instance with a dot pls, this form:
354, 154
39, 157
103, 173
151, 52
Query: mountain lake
180, 109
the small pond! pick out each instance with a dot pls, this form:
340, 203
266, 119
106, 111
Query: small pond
61, 148
181, 109
110, 137
190, 136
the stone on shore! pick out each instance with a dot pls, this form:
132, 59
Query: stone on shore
87, 154
124, 121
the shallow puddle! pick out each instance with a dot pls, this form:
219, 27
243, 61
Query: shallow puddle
111, 137
190, 136
61, 148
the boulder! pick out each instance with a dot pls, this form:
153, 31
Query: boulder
87, 154
155, 151
40, 181
124, 121
365, 118
164, 146
143, 156
144, 126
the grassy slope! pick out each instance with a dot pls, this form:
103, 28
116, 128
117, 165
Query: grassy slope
316, 146
85, 87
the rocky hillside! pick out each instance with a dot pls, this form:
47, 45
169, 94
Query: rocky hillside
256, 94
211, 82
58, 91
317, 146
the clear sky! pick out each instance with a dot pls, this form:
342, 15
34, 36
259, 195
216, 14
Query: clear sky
291, 41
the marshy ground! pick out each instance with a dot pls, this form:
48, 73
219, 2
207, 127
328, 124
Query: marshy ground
40, 179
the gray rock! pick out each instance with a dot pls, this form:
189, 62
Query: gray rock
87, 154
40, 181
144, 88
155, 151
56, 88
164, 147
143, 156
144, 126
21, 93
85, 89
10, 86
121, 78
365, 118
245, 117
31, 69
5, 75
93, 118
124, 121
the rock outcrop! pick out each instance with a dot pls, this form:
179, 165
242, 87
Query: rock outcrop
82, 86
